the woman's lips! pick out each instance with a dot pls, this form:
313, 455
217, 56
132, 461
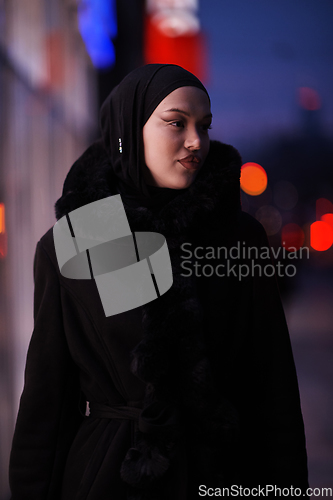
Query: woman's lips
190, 162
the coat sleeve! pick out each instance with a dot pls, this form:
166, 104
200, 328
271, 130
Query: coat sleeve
49, 407
276, 424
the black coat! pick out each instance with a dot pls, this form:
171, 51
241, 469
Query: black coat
215, 350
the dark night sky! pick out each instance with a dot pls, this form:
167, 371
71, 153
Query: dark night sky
260, 53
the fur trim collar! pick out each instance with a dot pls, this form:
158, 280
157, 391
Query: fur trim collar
181, 399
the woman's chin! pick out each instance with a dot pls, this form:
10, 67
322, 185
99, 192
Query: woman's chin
182, 182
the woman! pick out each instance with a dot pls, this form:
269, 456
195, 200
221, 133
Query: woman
194, 390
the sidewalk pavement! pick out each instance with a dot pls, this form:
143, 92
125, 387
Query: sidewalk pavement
309, 312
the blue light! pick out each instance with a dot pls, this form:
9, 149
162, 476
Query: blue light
98, 25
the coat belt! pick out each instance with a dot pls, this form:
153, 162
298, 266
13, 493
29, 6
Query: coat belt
98, 410
155, 418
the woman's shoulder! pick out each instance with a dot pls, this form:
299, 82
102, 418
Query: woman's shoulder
45, 247
46, 241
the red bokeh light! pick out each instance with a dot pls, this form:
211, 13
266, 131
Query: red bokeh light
309, 99
292, 237
328, 218
2, 218
321, 236
188, 51
3, 234
253, 179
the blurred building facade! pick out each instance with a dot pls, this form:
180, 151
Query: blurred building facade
48, 109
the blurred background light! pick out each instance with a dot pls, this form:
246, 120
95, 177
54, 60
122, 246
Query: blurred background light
172, 35
321, 236
270, 218
309, 99
2, 218
328, 218
55, 47
98, 25
285, 195
253, 179
177, 23
292, 237
3, 235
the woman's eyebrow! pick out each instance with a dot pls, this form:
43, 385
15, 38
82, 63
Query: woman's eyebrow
185, 113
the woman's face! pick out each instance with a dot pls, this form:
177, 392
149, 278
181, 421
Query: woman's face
176, 140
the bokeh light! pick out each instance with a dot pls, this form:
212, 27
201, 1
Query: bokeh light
2, 218
270, 218
97, 21
328, 218
285, 195
3, 234
292, 237
253, 179
176, 22
321, 235
309, 99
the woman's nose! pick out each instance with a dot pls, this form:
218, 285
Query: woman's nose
193, 140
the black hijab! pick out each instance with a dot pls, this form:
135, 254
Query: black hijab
123, 115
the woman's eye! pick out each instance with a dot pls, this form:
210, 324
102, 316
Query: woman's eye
177, 124
180, 124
